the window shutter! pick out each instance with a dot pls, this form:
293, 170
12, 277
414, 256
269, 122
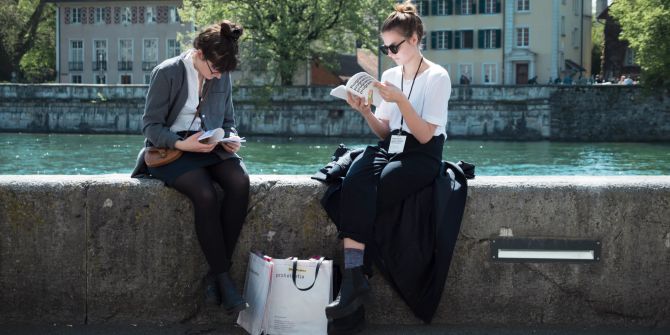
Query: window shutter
480, 39
450, 7
450, 39
458, 7
497, 6
433, 7
498, 38
474, 7
482, 7
433, 39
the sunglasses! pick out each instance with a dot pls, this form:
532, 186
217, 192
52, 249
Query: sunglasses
393, 47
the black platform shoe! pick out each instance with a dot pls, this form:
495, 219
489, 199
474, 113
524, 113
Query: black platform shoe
212, 293
231, 300
354, 291
351, 324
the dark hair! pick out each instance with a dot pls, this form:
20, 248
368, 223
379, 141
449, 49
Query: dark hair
218, 44
405, 20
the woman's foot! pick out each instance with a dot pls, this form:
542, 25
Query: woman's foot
212, 293
354, 291
231, 300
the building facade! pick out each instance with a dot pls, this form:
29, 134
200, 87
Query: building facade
508, 41
115, 42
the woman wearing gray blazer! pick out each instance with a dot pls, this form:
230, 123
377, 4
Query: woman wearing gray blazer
201, 77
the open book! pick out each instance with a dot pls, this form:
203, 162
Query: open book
360, 85
218, 135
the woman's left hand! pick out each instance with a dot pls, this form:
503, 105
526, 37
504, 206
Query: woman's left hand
232, 147
390, 92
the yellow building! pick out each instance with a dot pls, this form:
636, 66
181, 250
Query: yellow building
508, 41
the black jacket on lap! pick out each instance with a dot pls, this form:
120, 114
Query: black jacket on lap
414, 242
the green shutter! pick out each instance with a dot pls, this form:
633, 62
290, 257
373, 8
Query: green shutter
498, 38
458, 7
474, 7
433, 40
433, 7
450, 7
482, 6
480, 39
497, 6
450, 39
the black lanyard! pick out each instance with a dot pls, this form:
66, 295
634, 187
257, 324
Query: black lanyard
402, 80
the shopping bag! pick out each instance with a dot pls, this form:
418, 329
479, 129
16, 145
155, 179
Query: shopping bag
299, 293
286, 296
256, 289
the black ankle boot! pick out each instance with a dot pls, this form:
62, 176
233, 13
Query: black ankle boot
212, 293
231, 300
354, 290
351, 324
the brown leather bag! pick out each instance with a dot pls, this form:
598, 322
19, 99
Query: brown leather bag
155, 157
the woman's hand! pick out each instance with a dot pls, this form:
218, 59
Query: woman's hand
232, 147
389, 92
191, 144
358, 104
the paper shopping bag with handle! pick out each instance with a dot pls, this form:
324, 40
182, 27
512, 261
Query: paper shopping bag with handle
256, 289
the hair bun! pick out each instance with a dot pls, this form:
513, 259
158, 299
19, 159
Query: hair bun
406, 8
231, 30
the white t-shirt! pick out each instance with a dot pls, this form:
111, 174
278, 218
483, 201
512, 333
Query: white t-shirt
430, 97
185, 116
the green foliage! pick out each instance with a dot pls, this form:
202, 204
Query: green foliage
645, 24
597, 37
281, 35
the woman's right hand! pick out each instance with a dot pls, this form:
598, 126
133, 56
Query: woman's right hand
358, 104
191, 144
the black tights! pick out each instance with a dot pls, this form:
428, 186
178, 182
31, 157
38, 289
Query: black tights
217, 226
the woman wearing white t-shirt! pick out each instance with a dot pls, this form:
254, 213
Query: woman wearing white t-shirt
411, 123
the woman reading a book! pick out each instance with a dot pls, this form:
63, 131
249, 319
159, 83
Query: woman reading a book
188, 94
411, 124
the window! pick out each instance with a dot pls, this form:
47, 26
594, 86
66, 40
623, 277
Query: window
522, 37
100, 54
99, 15
575, 38
149, 53
441, 39
147, 78
126, 15
490, 39
563, 25
423, 42
490, 73
465, 7
465, 73
75, 79
174, 15
100, 79
126, 79
76, 15
491, 6
125, 55
463, 39
150, 16
522, 5
173, 48
76, 55
422, 7
575, 7
630, 57
442, 7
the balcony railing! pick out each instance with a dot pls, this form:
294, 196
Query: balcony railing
125, 65
100, 65
148, 66
76, 66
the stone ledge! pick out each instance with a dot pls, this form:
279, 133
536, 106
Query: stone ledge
111, 249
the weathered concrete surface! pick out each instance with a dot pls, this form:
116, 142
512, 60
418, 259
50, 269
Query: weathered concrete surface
110, 249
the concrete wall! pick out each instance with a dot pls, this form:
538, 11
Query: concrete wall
571, 113
110, 249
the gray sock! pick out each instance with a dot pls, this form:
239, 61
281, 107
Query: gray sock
353, 258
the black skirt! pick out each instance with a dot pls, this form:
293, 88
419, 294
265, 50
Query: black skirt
187, 162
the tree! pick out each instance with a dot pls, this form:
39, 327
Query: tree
284, 34
18, 32
645, 25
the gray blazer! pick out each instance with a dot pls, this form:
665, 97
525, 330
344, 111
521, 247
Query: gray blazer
166, 97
